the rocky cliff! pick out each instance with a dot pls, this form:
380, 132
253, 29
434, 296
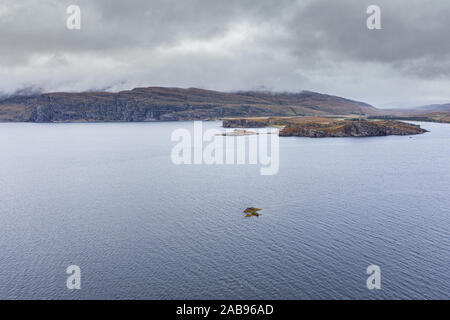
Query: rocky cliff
157, 103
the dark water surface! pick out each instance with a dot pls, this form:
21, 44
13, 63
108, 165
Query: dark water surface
108, 198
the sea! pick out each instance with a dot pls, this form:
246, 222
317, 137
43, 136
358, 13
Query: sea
109, 199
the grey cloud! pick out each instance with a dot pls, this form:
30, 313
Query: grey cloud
287, 45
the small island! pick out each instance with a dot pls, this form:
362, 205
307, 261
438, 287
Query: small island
252, 212
316, 127
238, 132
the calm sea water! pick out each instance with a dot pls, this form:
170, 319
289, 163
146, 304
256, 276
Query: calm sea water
107, 197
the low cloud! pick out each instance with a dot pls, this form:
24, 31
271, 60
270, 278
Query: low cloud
320, 45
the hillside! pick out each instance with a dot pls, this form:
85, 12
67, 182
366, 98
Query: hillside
159, 103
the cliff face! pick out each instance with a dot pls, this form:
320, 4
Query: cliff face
325, 127
155, 104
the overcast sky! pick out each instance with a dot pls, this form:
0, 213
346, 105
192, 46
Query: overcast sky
278, 45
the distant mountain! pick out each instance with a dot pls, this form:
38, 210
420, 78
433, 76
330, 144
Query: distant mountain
159, 103
432, 108
431, 113
419, 109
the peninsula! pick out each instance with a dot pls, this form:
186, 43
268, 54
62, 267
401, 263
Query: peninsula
327, 127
